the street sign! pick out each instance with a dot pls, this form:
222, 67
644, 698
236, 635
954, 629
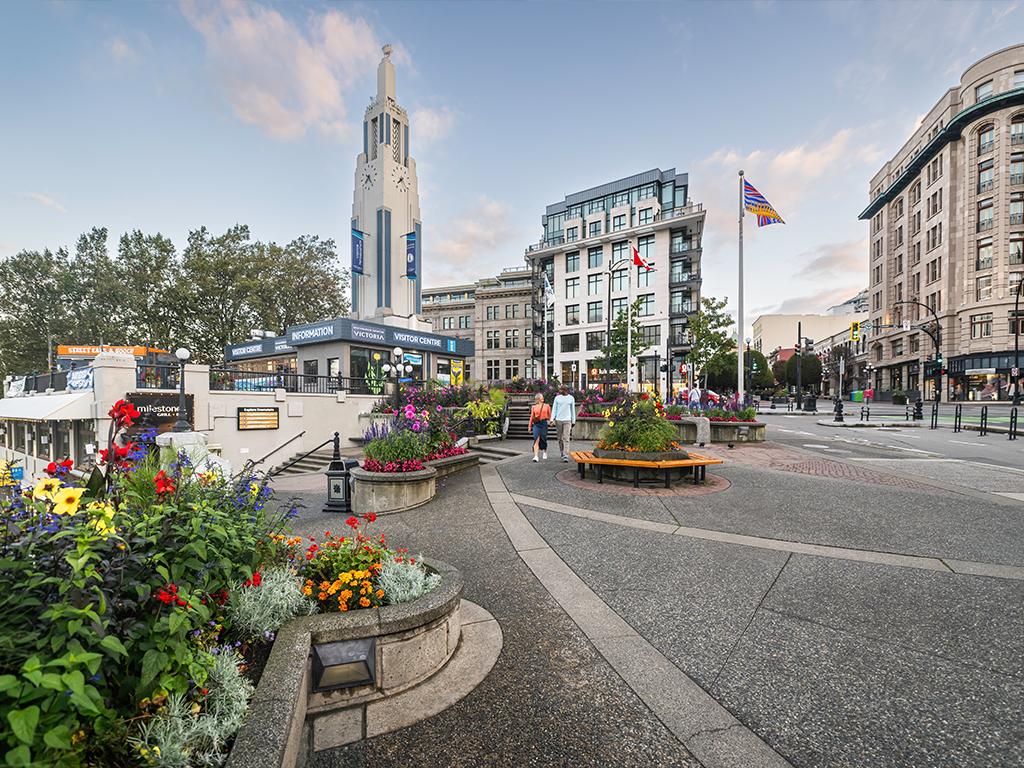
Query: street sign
906, 325
1015, 372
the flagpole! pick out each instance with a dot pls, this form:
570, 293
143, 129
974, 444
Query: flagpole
629, 324
739, 313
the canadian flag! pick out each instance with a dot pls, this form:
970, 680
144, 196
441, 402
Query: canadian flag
639, 262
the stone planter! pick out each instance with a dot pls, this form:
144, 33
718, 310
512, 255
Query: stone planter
626, 474
737, 432
589, 428
383, 492
452, 464
413, 642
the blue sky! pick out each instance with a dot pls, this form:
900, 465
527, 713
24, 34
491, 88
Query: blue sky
169, 116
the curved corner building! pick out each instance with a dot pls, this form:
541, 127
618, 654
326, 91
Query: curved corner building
947, 230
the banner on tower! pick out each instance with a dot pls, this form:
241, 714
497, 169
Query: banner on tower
410, 255
357, 252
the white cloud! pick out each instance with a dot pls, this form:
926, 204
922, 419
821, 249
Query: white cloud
121, 50
285, 79
473, 244
432, 124
46, 200
834, 260
813, 303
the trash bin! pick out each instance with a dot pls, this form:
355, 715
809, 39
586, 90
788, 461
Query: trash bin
339, 486
811, 404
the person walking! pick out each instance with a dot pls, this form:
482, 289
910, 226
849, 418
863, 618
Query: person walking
540, 414
564, 414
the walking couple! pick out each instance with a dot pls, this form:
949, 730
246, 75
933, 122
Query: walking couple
563, 411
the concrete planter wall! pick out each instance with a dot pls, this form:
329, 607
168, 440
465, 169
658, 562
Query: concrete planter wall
589, 428
383, 492
287, 720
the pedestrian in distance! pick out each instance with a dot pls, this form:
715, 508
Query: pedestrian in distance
540, 415
564, 414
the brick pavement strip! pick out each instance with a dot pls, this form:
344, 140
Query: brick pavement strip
708, 730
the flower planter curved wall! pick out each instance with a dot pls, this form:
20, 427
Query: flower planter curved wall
414, 641
383, 492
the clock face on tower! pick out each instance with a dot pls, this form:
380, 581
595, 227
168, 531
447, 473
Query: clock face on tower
400, 177
369, 176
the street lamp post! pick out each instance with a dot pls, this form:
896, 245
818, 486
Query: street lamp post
397, 368
1016, 345
608, 325
935, 338
181, 425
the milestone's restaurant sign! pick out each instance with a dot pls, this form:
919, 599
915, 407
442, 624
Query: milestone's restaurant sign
258, 417
157, 411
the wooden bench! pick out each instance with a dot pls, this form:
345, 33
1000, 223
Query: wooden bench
696, 462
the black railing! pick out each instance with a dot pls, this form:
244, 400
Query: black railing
40, 382
150, 376
230, 380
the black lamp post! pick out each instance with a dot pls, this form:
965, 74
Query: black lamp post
935, 338
397, 367
1016, 345
181, 425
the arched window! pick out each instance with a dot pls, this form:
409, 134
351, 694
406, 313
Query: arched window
986, 138
1017, 129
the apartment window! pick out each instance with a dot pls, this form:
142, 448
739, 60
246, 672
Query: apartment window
595, 257
494, 340
447, 323
899, 265
934, 301
465, 321
1015, 282
619, 280
572, 314
935, 236
986, 138
915, 345
619, 251
876, 249
983, 288
981, 326
986, 175
528, 337
595, 228
915, 283
1018, 78
645, 246
915, 194
511, 338
915, 253
876, 301
984, 260
618, 222
511, 311
935, 170
1017, 208
679, 241
897, 348
933, 270
595, 284
572, 262
644, 277
1017, 168
677, 334
897, 209
915, 223
511, 369
983, 91
899, 236
493, 370
646, 215
1017, 248
595, 340
876, 274
571, 234
934, 203
570, 342
986, 214
594, 314
651, 335
618, 307
679, 302
646, 305
492, 312
678, 272
1017, 131
1014, 321
572, 287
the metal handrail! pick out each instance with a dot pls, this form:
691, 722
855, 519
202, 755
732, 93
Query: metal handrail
282, 445
297, 459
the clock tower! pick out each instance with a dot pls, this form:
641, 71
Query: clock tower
387, 236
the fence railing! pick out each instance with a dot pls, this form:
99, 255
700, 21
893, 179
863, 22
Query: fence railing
151, 376
231, 380
40, 382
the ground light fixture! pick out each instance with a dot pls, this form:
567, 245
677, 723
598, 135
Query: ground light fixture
344, 664
181, 425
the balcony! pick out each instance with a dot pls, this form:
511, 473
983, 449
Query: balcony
986, 146
1017, 138
680, 308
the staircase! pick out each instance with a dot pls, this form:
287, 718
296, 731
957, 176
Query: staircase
490, 453
315, 462
519, 420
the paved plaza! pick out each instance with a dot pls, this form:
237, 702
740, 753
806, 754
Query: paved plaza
813, 609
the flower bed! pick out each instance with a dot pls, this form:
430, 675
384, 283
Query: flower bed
138, 608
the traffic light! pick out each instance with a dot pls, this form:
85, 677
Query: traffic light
855, 330
808, 345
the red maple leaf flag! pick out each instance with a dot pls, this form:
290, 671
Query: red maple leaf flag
640, 262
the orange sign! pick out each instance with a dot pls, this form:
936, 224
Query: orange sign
89, 350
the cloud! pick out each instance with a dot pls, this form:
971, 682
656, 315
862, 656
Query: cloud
834, 260
121, 50
281, 77
814, 303
432, 124
472, 242
46, 200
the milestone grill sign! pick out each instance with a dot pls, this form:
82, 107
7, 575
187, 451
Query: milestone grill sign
157, 411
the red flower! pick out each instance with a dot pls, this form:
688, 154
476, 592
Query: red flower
123, 413
352, 522
51, 469
164, 484
370, 517
255, 581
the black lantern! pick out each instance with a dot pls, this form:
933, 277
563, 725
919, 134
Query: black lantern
339, 481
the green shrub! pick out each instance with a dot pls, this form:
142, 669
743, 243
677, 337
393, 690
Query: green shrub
256, 610
397, 446
404, 579
637, 423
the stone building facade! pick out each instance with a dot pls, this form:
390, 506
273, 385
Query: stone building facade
946, 220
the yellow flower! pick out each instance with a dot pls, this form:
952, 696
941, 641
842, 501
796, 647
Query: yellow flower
65, 501
45, 489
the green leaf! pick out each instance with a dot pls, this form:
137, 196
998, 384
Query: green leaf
175, 621
115, 646
8, 682
52, 681
152, 662
19, 756
94, 485
23, 722
74, 680
74, 625
58, 737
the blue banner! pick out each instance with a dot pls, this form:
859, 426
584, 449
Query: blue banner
410, 255
357, 252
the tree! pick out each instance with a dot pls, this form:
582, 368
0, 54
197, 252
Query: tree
97, 292
147, 274
307, 283
810, 371
722, 371
779, 372
710, 337
617, 349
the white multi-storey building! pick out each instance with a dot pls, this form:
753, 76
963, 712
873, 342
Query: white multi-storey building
591, 231
386, 211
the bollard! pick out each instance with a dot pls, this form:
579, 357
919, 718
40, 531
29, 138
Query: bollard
935, 415
1013, 423
983, 426
919, 410
906, 413
839, 411
958, 415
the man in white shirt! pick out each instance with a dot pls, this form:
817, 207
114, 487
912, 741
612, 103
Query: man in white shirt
563, 411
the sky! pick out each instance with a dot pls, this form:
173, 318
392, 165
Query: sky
168, 116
